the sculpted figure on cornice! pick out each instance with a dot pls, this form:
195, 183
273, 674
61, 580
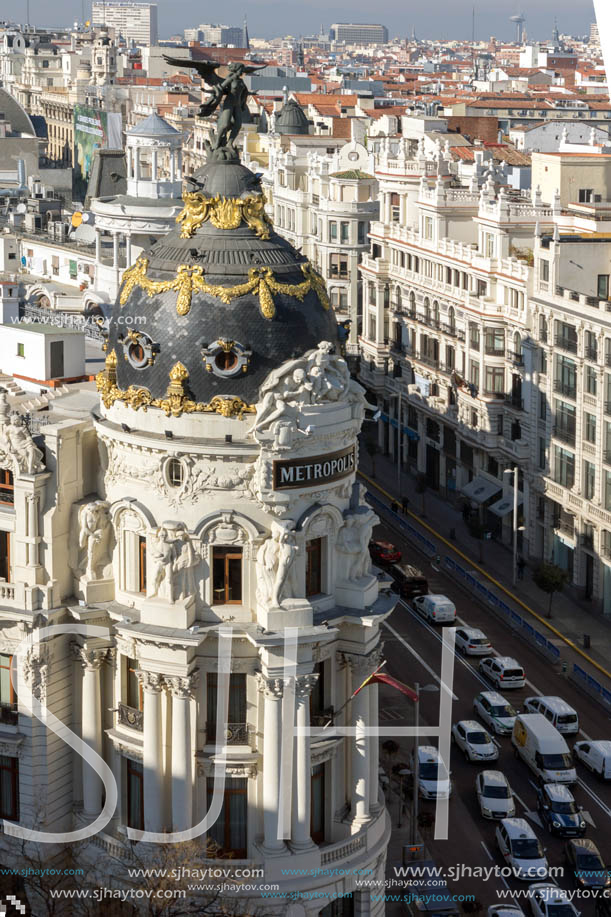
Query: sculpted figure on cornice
17, 448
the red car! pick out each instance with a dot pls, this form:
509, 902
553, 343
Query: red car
384, 553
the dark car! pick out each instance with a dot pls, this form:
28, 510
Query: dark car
384, 553
410, 581
559, 812
586, 864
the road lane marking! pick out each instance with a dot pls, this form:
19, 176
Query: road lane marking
488, 854
595, 797
521, 801
425, 665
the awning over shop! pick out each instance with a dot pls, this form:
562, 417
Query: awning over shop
407, 431
505, 504
481, 489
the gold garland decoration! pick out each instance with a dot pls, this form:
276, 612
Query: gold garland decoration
190, 279
224, 213
176, 401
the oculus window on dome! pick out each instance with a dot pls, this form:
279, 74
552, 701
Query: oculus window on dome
138, 349
226, 358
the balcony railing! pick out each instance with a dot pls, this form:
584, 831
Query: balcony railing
494, 352
564, 389
607, 456
8, 714
605, 549
608, 358
131, 717
607, 407
233, 733
591, 353
513, 401
566, 343
587, 541
567, 526
430, 361
516, 358
565, 433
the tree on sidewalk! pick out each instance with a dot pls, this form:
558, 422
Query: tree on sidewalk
371, 447
550, 579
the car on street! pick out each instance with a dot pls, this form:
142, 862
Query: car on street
502, 909
547, 900
470, 641
521, 849
438, 609
503, 671
474, 741
596, 756
585, 864
433, 778
559, 812
409, 580
556, 710
494, 795
384, 553
496, 712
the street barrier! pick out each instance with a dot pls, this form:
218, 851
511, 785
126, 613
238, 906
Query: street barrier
591, 686
516, 621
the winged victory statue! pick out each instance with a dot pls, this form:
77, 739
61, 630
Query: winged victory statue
230, 93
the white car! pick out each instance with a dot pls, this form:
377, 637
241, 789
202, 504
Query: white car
557, 711
503, 671
470, 641
433, 778
502, 909
494, 795
496, 712
438, 609
548, 900
596, 756
521, 849
474, 741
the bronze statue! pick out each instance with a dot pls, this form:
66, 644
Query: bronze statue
230, 93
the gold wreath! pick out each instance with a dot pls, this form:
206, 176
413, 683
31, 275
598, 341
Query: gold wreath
224, 213
190, 279
176, 401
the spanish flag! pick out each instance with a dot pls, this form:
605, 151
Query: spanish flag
382, 678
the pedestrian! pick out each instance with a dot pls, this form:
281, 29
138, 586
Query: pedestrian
404, 505
521, 565
394, 506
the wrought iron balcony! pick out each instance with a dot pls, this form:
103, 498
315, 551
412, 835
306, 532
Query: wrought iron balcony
566, 343
513, 401
324, 718
8, 714
565, 525
131, 717
233, 733
516, 358
565, 432
563, 388
591, 353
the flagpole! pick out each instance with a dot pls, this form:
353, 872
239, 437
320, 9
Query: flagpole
337, 712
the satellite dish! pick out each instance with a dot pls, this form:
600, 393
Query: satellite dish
77, 219
84, 233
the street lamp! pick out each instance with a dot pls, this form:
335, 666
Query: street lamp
416, 781
515, 472
399, 439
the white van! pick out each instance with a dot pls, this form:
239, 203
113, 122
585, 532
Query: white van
556, 710
596, 756
541, 746
438, 609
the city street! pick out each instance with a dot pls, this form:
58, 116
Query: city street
413, 651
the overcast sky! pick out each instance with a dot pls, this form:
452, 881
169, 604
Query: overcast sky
433, 19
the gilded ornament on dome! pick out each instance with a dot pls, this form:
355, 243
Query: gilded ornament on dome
223, 213
190, 279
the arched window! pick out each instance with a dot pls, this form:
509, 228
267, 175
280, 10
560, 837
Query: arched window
398, 298
436, 313
427, 311
412, 303
452, 318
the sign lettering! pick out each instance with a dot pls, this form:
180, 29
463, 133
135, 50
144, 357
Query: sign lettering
313, 469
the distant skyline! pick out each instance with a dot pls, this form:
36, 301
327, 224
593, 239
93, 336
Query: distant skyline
273, 18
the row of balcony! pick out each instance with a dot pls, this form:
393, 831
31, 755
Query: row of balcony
234, 733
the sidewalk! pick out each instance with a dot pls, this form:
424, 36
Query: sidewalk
569, 616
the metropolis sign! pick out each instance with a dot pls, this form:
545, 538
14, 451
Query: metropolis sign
314, 469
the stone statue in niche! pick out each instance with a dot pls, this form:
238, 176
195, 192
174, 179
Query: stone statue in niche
176, 559
276, 573
16, 440
353, 542
94, 531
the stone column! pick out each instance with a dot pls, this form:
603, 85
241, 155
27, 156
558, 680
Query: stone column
172, 165
130, 161
182, 751
302, 770
91, 725
128, 250
361, 667
98, 246
137, 163
273, 689
152, 753
154, 165
33, 548
115, 249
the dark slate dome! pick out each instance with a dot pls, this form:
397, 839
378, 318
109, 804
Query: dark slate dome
228, 339
292, 119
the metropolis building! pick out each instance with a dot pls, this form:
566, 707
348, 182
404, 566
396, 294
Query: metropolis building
211, 496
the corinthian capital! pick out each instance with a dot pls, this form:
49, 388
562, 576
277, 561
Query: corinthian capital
150, 681
271, 687
304, 684
183, 686
88, 658
362, 663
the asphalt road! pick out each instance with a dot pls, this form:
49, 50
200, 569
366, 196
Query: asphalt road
413, 653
